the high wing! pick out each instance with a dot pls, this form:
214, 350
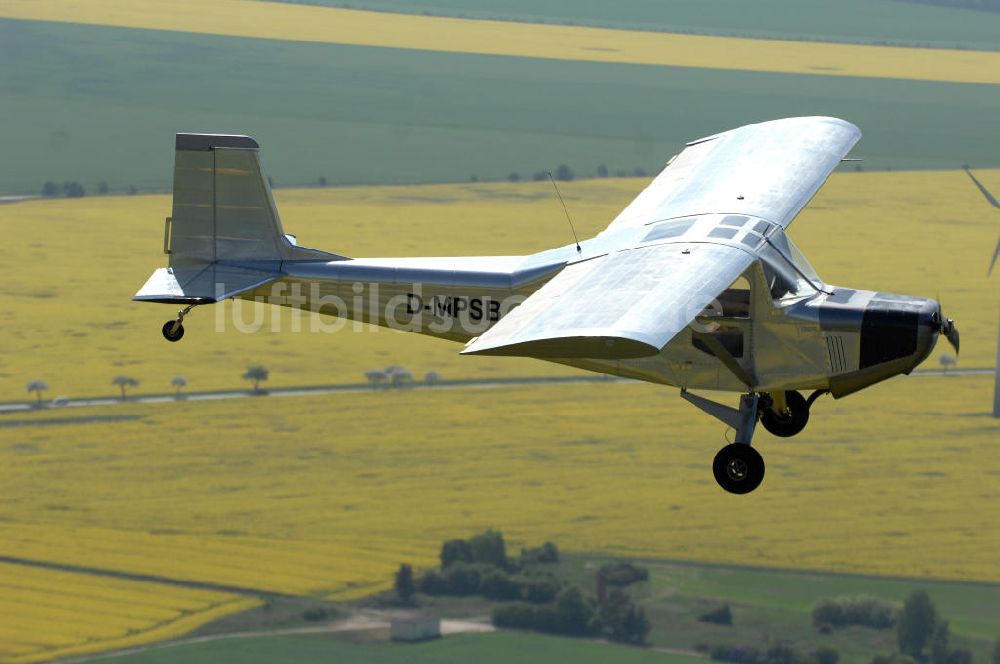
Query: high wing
626, 304
768, 170
632, 301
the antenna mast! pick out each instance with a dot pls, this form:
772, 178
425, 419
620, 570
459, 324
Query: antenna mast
561, 201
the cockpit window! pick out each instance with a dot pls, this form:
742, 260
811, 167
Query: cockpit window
787, 271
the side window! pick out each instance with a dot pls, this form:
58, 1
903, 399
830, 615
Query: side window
735, 300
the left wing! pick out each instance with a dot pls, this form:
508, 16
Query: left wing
630, 303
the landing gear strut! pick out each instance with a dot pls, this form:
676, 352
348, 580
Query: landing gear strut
738, 468
173, 330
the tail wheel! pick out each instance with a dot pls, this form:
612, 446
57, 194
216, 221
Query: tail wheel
790, 422
171, 334
738, 468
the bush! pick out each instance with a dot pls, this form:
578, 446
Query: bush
433, 582
783, 654
846, 611
314, 614
826, 655
514, 616
571, 615
735, 654
720, 616
623, 574
463, 579
497, 585
539, 589
544, 554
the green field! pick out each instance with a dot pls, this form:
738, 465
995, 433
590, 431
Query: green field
99, 104
781, 603
866, 21
479, 648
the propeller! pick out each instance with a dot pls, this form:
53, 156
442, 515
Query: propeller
995, 203
945, 326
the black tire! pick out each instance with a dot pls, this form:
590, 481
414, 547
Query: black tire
738, 468
172, 336
787, 424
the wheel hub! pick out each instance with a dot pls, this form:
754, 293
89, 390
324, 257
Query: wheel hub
737, 470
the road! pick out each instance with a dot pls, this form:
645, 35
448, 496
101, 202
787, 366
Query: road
28, 406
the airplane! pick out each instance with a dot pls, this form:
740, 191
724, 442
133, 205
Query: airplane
695, 284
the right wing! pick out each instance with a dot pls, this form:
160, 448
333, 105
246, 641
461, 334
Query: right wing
768, 170
627, 304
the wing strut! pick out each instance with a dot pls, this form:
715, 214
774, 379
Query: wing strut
726, 358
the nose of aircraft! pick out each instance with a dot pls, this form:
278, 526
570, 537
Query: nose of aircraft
933, 323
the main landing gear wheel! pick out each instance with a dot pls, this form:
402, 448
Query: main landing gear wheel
790, 422
172, 333
738, 468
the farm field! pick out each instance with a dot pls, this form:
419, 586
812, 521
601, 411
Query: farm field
916, 233
49, 613
327, 495
76, 92
862, 21
481, 648
768, 602
292, 22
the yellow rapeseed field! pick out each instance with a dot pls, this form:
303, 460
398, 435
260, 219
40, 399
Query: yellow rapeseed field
344, 26
73, 266
328, 494
49, 614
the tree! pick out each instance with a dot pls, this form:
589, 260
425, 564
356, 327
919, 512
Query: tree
376, 378
513, 177
916, 624
489, 548
574, 614
996, 652
455, 551
405, 587
960, 656
38, 386
71, 189
102, 187
256, 373
321, 181
432, 378
602, 171
178, 382
939, 643
124, 383
622, 620
564, 173
50, 189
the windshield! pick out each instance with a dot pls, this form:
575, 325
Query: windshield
786, 269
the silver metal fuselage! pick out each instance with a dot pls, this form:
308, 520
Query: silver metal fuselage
826, 338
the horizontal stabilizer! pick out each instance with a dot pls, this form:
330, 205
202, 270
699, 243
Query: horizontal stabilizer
204, 285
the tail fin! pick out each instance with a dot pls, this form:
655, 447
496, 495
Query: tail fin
224, 236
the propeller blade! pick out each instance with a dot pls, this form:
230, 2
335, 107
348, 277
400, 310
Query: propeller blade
993, 261
952, 335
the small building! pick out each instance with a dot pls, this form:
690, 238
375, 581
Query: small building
419, 628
